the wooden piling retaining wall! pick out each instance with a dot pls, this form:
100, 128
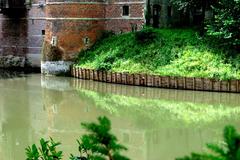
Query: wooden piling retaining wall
186, 83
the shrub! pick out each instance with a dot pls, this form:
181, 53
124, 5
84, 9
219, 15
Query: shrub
99, 143
107, 34
46, 151
146, 35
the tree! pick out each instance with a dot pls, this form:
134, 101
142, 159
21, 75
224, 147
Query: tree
148, 13
226, 23
192, 6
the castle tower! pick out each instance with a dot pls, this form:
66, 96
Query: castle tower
21, 36
77, 25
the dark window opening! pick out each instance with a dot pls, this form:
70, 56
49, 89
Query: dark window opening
86, 40
156, 15
43, 32
125, 10
169, 11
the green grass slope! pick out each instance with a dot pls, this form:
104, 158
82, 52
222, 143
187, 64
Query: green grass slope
168, 52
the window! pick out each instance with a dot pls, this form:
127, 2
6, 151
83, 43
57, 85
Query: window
125, 10
54, 41
86, 40
169, 11
43, 32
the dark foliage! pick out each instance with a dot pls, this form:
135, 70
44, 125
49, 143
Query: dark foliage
226, 23
147, 35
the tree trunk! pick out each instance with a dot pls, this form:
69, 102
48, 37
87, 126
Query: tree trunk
148, 14
204, 6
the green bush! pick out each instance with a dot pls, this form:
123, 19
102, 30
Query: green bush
46, 151
147, 35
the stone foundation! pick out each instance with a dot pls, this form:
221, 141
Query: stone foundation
21, 34
55, 67
75, 26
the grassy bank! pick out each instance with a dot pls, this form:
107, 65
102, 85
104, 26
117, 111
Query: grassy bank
168, 52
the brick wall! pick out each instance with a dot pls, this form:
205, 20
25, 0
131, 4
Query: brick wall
74, 26
22, 35
118, 23
71, 23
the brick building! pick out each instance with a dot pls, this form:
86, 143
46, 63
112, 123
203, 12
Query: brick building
60, 29
164, 14
68, 26
76, 25
21, 27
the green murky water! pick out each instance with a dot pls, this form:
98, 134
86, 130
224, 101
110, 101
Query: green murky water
155, 124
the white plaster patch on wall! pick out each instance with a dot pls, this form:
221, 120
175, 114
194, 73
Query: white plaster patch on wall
55, 67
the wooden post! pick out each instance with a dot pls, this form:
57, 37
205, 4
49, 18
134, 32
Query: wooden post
87, 74
100, 76
97, 78
194, 84
94, 74
220, 85
237, 85
124, 78
108, 80
176, 82
80, 73
91, 74
74, 72
83, 74
160, 81
228, 84
212, 85
168, 81
184, 83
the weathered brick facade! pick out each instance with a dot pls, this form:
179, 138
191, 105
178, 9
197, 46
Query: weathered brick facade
21, 33
69, 27
76, 25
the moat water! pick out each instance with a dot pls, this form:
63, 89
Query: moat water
154, 124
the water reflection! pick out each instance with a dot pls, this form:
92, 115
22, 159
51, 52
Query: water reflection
155, 124
10, 74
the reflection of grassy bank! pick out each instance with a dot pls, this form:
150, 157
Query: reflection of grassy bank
160, 111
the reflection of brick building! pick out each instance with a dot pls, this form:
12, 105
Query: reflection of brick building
73, 26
